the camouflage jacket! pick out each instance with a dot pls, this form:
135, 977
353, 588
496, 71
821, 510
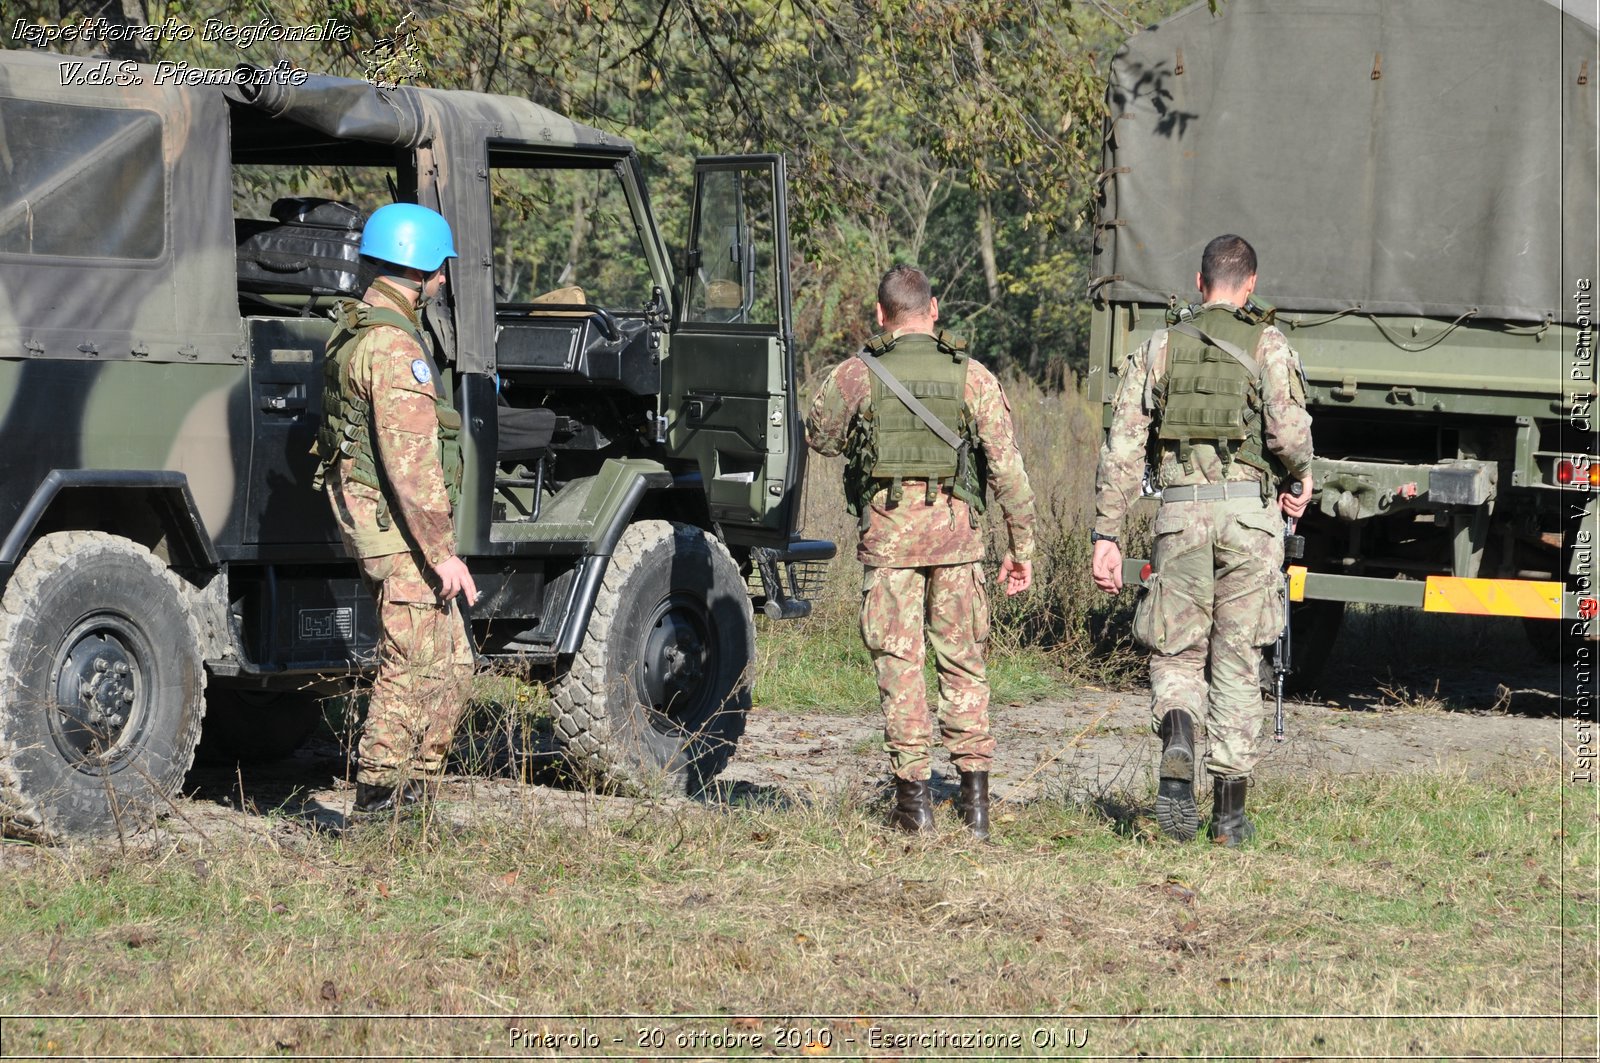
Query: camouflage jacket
913, 533
1122, 458
405, 424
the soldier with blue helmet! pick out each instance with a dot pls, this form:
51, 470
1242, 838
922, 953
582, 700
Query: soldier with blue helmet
391, 466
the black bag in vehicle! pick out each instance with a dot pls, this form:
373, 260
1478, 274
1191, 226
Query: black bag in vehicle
312, 248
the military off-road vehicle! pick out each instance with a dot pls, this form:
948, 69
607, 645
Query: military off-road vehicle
1418, 178
169, 256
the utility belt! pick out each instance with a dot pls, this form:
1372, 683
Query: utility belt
899, 488
1213, 492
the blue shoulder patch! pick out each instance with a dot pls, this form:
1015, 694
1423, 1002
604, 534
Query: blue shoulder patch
419, 369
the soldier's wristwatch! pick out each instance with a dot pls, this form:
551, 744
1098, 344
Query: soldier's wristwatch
1095, 537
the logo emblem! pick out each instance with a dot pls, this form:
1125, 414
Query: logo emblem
419, 369
327, 625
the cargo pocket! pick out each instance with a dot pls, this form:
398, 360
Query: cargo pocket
1274, 612
1147, 625
1168, 621
1263, 531
1164, 618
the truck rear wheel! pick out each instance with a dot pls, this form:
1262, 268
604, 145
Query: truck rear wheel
101, 687
655, 701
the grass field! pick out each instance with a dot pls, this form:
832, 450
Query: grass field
1406, 916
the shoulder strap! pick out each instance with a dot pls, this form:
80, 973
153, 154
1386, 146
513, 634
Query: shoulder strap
368, 316
1189, 328
952, 345
882, 343
938, 427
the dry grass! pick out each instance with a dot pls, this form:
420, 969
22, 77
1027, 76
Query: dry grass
1444, 903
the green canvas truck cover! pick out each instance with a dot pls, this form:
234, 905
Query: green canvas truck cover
99, 252
1420, 157
110, 256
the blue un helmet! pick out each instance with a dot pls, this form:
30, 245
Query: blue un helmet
408, 235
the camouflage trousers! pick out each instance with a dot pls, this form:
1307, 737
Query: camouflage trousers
1216, 596
947, 605
425, 668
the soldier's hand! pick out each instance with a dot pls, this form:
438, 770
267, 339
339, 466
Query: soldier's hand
1294, 506
1016, 575
1107, 566
454, 579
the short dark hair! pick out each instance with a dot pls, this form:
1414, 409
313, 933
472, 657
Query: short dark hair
903, 292
1228, 262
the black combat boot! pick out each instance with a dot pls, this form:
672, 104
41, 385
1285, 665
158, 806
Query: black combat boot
1176, 813
973, 804
374, 797
913, 807
1228, 823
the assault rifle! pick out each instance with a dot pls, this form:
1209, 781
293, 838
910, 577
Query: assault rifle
1294, 548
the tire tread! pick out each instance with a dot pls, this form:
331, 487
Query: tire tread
583, 722
21, 813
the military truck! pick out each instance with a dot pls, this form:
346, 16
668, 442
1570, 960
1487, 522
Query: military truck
1418, 178
169, 256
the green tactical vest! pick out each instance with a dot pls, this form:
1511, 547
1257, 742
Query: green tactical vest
888, 443
346, 429
1209, 397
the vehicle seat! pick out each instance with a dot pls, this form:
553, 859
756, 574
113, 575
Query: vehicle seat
525, 432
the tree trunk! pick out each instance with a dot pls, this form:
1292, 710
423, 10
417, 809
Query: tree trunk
580, 233
991, 269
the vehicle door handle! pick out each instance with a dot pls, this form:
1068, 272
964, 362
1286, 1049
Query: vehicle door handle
282, 404
700, 403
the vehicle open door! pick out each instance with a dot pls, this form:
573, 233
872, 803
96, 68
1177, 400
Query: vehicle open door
728, 400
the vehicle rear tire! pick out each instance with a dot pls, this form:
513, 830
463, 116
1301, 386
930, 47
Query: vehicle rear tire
101, 686
655, 701
245, 726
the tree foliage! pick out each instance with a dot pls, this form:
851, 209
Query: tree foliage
960, 135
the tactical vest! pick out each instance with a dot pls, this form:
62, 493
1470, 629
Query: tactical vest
346, 429
889, 443
1209, 397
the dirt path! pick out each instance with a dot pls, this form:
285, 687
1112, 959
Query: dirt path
1100, 742
1370, 717
1401, 693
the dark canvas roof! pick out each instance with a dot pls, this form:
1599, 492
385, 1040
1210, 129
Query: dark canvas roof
1410, 156
351, 109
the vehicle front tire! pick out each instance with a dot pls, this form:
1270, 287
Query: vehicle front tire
655, 700
101, 687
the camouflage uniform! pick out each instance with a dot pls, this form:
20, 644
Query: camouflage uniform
924, 562
400, 533
1217, 589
